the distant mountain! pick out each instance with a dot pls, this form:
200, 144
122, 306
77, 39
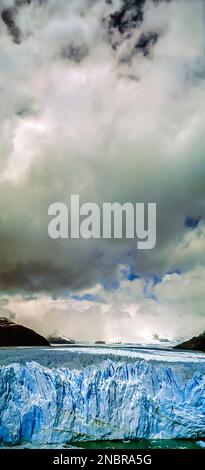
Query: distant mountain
57, 339
161, 340
12, 334
197, 343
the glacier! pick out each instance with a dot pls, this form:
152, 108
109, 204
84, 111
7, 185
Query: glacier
63, 395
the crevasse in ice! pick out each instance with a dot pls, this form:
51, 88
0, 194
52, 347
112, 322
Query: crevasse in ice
111, 400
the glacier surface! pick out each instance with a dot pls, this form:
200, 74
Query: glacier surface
98, 395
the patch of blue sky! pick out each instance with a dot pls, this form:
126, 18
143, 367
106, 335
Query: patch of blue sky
192, 222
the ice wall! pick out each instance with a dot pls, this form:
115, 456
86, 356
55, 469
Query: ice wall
114, 400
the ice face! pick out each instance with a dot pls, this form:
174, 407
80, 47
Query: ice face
146, 397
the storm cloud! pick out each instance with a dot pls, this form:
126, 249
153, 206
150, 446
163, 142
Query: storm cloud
105, 100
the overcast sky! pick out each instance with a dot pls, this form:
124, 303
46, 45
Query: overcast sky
107, 102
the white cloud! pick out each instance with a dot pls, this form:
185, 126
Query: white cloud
123, 314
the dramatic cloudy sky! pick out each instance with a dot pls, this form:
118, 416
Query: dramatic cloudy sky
105, 99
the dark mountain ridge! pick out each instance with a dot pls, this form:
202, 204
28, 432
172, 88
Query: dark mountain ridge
197, 343
12, 334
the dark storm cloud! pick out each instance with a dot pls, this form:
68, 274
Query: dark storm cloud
8, 16
75, 53
35, 277
72, 122
9, 11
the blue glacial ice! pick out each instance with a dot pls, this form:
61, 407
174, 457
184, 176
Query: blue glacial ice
55, 397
